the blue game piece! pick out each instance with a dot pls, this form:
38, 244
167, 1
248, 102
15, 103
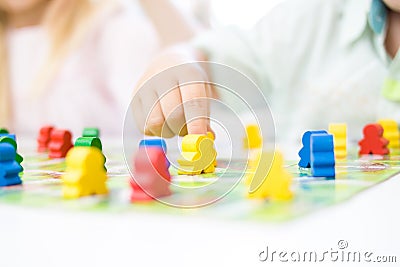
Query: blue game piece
154, 142
159, 142
12, 136
322, 155
10, 139
9, 167
304, 152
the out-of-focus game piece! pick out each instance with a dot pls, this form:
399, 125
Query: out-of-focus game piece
9, 167
274, 183
198, 155
60, 143
373, 141
10, 139
391, 133
151, 178
212, 137
304, 152
85, 174
252, 165
157, 142
12, 136
90, 142
322, 155
253, 138
43, 139
91, 132
5, 132
339, 132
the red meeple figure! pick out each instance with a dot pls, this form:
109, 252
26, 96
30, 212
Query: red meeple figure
151, 175
373, 142
60, 143
43, 139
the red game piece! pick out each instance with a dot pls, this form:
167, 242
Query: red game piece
43, 139
151, 175
60, 143
373, 142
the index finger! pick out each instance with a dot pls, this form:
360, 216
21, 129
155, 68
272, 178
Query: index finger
196, 107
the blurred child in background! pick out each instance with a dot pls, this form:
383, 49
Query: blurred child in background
316, 61
72, 63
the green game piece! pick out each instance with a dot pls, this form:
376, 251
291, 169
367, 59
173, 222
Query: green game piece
91, 132
4, 131
6, 139
90, 142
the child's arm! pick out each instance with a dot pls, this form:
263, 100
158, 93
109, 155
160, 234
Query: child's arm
172, 26
251, 52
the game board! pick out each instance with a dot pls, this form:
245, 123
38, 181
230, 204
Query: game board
42, 189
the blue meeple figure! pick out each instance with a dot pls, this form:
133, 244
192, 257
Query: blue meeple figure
9, 167
159, 142
10, 139
4, 134
322, 155
304, 152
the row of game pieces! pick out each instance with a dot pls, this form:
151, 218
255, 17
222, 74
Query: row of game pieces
85, 172
56, 142
319, 151
59, 141
151, 177
320, 148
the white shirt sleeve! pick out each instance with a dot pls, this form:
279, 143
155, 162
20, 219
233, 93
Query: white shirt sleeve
127, 42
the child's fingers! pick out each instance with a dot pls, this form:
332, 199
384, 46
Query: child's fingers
172, 108
195, 105
155, 123
151, 116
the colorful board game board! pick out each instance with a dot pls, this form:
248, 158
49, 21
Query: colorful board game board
42, 189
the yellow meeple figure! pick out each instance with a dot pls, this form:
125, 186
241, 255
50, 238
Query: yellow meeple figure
274, 182
252, 165
253, 138
212, 137
85, 174
198, 155
339, 132
391, 133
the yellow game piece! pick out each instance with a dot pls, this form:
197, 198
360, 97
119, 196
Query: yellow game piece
198, 155
339, 132
252, 164
212, 137
391, 133
273, 183
253, 137
85, 174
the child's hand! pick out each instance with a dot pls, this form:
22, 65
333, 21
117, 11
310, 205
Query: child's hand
167, 102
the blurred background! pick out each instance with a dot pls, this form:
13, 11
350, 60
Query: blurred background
241, 13
81, 50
